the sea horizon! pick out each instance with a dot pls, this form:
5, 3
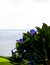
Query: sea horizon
8, 39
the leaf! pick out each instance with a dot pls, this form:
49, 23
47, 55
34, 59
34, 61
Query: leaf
26, 34
38, 29
26, 40
17, 45
44, 27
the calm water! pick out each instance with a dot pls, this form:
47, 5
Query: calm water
8, 39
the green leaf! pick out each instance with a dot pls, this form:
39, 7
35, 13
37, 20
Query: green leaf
44, 27
26, 34
17, 45
38, 29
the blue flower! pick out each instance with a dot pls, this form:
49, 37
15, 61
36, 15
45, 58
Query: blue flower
31, 61
31, 58
20, 40
32, 32
17, 40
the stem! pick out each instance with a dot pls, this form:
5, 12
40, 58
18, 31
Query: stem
45, 53
40, 53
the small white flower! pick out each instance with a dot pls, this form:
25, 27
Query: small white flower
43, 39
24, 50
45, 59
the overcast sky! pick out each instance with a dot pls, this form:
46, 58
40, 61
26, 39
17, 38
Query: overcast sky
24, 14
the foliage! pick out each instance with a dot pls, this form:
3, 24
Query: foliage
35, 44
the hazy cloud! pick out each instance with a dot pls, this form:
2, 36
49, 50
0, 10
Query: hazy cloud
24, 14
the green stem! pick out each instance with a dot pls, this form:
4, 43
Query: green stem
45, 53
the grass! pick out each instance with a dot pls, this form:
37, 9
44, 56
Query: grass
4, 61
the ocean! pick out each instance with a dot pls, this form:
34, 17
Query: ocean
8, 40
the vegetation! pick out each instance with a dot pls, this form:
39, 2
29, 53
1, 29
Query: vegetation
4, 61
33, 47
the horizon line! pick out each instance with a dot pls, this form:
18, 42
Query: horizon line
13, 29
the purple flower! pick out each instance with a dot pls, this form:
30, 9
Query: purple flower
32, 32
31, 58
17, 40
31, 61
20, 40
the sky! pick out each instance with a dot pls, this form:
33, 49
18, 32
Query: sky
24, 14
